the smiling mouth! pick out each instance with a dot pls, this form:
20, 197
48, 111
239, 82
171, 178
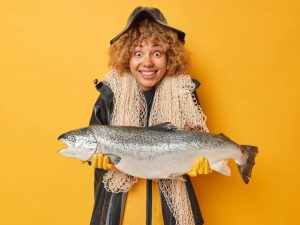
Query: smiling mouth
148, 74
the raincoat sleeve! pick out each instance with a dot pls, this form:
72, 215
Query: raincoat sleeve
101, 116
197, 84
108, 206
103, 106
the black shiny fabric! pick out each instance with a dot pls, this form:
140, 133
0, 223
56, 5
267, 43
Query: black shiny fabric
139, 13
109, 207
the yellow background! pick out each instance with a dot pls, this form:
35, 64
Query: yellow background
245, 53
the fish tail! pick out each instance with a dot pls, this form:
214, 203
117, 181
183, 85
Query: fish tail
246, 169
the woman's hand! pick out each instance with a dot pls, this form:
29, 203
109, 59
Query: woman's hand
201, 166
101, 161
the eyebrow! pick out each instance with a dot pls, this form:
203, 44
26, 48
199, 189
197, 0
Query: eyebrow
155, 45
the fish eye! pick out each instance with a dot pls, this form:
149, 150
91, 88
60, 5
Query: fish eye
71, 138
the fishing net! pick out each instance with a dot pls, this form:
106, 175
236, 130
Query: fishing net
177, 199
130, 107
174, 102
116, 181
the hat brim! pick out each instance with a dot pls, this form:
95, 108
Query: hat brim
142, 14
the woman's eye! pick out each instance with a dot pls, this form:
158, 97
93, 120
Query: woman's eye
138, 54
157, 54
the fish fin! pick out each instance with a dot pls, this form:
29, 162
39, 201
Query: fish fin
113, 158
221, 167
246, 169
164, 127
223, 135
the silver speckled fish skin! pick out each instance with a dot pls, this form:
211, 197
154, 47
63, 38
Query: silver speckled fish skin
157, 152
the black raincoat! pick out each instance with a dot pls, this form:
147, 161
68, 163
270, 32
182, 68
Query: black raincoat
108, 207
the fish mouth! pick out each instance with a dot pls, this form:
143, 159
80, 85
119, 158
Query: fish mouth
67, 151
66, 148
61, 137
63, 151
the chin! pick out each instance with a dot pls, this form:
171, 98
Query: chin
147, 86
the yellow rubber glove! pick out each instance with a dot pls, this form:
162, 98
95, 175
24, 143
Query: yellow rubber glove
101, 161
201, 166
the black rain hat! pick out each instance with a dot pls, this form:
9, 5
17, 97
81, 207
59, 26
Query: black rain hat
155, 14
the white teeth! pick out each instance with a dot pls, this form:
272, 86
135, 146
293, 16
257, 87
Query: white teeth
148, 73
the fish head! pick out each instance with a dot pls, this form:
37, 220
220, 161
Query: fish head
81, 144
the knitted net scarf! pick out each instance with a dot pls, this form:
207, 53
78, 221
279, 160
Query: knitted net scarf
173, 102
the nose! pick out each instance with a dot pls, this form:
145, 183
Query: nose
148, 62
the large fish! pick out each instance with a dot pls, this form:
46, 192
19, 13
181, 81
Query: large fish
158, 152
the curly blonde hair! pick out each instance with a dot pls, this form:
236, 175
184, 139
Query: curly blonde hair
146, 29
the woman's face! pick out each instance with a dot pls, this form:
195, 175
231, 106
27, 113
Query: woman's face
148, 64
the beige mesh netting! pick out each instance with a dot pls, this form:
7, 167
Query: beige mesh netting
178, 200
130, 107
173, 102
116, 181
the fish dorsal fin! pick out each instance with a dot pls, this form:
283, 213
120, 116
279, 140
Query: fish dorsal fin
223, 135
164, 127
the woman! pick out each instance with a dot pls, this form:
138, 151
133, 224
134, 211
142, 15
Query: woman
148, 85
